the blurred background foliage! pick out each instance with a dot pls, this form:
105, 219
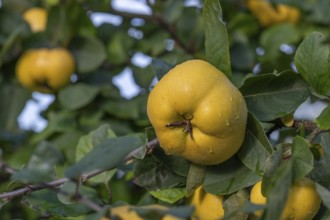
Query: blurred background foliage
167, 33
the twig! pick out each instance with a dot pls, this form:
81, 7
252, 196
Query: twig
82, 199
298, 124
5, 168
57, 183
308, 125
150, 145
157, 20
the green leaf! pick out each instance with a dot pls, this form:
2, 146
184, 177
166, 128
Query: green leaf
189, 29
303, 159
323, 120
317, 11
118, 48
272, 163
77, 96
88, 142
89, 53
321, 171
176, 164
234, 204
256, 148
143, 76
13, 100
173, 11
46, 202
312, 61
11, 22
68, 190
59, 121
195, 177
228, 177
279, 190
32, 176
160, 67
156, 177
67, 20
40, 167
154, 174
124, 109
216, 37
80, 21
169, 195
324, 194
107, 155
242, 56
58, 26
269, 96
272, 38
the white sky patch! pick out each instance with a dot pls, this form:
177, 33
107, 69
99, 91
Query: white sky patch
125, 82
132, 6
141, 60
195, 3
309, 110
100, 18
30, 118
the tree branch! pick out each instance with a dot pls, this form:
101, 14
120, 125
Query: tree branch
298, 124
5, 168
156, 20
57, 183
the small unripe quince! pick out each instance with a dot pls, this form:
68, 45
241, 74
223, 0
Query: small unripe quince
207, 206
303, 201
45, 70
197, 113
36, 18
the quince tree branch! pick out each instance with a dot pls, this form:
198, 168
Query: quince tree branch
55, 184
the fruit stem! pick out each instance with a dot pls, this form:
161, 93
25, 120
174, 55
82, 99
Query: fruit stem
186, 126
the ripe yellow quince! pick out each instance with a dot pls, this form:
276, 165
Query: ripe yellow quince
303, 201
197, 113
268, 15
36, 18
207, 206
45, 70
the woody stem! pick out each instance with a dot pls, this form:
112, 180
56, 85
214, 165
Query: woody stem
185, 124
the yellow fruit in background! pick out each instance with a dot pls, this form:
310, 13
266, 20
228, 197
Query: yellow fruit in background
197, 113
263, 11
268, 15
45, 70
207, 206
290, 14
303, 201
256, 197
127, 212
36, 18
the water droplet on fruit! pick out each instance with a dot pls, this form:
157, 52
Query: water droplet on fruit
211, 150
227, 123
231, 99
219, 114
